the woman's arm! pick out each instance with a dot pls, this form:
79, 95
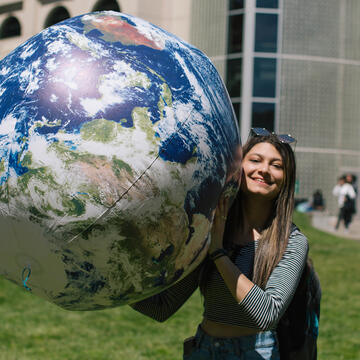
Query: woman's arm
238, 284
161, 306
351, 192
265, 307
336, 190
262, 307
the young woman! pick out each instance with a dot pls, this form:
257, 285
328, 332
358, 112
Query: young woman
255, 261
346, 195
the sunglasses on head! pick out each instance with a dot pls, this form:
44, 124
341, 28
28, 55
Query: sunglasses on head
283, 138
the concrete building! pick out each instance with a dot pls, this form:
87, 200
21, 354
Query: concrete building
20, 20
290, 66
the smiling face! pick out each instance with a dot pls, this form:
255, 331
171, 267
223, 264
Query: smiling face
263, 171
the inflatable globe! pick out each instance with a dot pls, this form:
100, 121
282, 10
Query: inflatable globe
116, 141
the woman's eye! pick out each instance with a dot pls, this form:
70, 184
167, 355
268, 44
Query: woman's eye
278, 166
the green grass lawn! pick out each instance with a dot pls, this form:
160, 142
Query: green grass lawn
31, 328
337, 262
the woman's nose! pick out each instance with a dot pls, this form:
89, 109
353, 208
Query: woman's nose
264, 168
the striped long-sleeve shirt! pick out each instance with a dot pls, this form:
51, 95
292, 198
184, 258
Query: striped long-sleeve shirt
260, 309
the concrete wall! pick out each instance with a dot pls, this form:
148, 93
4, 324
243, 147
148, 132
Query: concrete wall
172, 15
320, 86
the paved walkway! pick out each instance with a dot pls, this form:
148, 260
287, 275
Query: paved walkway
326, 222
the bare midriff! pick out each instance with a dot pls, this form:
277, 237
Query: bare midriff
217, 329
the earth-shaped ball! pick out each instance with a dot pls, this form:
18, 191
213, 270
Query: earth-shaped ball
116, 140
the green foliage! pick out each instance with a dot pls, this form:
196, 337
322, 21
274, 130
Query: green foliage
33, 329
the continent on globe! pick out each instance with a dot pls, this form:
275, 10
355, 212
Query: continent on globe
116, 141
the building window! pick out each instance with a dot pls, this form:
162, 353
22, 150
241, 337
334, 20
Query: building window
264, 77
237, 110
235, 33
272, 4
263, 115
266, 32
236, 4
56, 15
234, 51
10, 27
103, 5
233, 77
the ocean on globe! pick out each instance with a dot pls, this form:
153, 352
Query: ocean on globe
116, 140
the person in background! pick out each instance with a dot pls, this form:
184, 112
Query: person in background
318, 201
254, 263
351, 179
346, 195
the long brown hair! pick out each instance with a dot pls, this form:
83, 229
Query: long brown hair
274, 238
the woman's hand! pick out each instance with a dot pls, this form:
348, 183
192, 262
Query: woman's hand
238, 284
218, 227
